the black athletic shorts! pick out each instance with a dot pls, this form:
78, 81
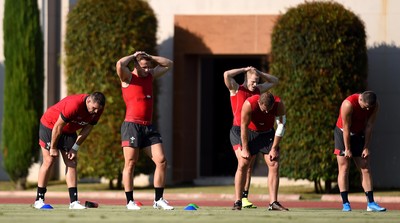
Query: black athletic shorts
65, 142
357, 142
258, 141
139, 136
234, 136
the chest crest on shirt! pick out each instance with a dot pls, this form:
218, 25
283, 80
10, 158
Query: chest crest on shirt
79, 121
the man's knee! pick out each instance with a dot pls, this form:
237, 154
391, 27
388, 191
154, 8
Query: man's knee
71, 163
161, 163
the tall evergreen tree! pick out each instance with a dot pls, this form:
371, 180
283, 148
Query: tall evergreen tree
23, 88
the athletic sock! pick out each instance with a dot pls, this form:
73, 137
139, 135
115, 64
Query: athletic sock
159, 193
129, 196
73, 194
345, 196
40, 192
370, 196
245, 194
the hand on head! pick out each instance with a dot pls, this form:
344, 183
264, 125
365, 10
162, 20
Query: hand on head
137, 53
248, 68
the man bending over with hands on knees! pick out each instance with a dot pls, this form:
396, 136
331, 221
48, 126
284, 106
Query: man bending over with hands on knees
259, 112
57, 133
352, 138
255, 82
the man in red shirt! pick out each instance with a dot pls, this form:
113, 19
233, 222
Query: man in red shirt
137, 131
259, 112
57, 133
352, 138
255, 82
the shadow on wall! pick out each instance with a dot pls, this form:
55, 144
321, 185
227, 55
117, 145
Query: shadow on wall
3, 174
384, 79
383, 62
163, 88
162, 113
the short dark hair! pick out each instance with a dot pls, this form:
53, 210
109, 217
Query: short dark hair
143, 57
267, 99
99, 98
369, 97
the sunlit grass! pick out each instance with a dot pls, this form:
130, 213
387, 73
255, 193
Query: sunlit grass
111, 213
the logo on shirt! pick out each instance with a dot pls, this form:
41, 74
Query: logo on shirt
80, 122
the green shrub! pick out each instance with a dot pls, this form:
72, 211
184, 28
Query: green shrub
319, 53
100, 32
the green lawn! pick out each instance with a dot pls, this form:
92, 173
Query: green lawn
25, 213
22, 213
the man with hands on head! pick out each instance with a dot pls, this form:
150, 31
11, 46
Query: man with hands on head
137, 130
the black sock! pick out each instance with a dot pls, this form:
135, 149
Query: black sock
73, 194
40, 192
159, 193
129, 196
245, 194
370, 196
345, 196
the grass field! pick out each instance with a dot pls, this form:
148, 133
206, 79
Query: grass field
21, 213
60, 213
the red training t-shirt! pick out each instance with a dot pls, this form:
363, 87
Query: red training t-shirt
138, 98
73, 110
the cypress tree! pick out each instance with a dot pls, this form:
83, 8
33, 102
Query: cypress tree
23, 88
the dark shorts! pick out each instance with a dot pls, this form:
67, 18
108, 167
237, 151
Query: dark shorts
139, 136
357, 142
65, 142
258, 141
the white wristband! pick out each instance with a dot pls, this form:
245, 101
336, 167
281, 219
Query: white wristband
75, 147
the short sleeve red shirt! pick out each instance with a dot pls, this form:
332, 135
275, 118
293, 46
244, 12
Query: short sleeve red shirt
73, 110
